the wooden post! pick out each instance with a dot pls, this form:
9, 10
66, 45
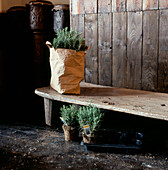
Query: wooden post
48, 111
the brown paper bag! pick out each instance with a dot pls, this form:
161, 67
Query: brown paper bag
67, 69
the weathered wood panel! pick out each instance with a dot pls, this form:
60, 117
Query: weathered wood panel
91, 68
150, 4
163, 52
128, 67
150, 50
118, 5
134, 50
104, 6
78, 23
119, 49
90, 6
104, 48
134, 5
163, 4
77, 7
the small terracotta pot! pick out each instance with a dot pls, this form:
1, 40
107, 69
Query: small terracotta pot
70, 133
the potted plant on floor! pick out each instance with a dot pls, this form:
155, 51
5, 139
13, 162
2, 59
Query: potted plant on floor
89, 118
67, 61
70, 126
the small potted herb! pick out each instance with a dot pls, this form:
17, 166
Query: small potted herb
67, 61
89, 118
70, 126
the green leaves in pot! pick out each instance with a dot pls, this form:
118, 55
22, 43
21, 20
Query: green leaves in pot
90, 115
69, 40
69, 115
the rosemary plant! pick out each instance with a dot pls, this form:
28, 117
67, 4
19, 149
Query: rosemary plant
90, 115
69, 40
69, 115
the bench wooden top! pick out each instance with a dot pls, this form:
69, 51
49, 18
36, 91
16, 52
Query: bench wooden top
137, 102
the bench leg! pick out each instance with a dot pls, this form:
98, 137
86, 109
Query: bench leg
48, 111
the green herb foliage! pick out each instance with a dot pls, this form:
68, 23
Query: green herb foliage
69, 114
90, 115
69, 40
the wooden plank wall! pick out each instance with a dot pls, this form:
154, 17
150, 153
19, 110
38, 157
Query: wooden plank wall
128, 40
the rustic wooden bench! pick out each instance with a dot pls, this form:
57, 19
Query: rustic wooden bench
136, 102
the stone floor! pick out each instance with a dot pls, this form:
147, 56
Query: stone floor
32, 147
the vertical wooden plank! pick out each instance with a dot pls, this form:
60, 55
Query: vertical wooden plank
77, 7
119, 49
104, 6
118, 5
78, 23
163, 4
134, 5
91, 61
163, 52
150, 50
134, 50
90, 6
104, 48
71, 15
150, 4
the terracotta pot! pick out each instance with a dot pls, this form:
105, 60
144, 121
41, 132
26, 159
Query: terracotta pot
70, 133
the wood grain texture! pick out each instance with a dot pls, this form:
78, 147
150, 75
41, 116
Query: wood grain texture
119, 49
118, 5
48, 111
150, 50
91, 64
134, 5
150, 4
104, 6
90, 6
129, 68
136, 102
134, 50
77, 7
78, 23
163, 52
104, 48
163, 4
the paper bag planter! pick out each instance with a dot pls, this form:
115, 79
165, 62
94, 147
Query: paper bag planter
67, 64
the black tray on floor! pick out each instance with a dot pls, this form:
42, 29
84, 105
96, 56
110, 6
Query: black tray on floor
116, 148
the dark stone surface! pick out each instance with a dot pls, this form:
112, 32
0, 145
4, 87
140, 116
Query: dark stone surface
30, 146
